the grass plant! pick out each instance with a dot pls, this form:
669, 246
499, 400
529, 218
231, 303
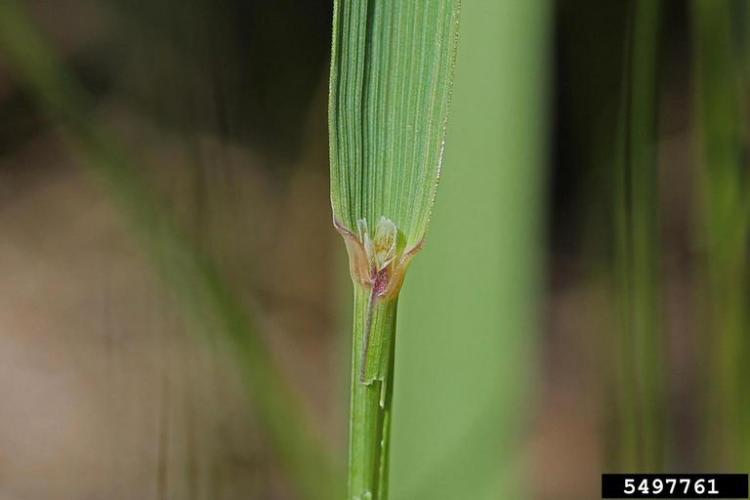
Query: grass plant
390, 86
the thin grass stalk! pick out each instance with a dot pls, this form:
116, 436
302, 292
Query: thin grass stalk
640, 350
369, 424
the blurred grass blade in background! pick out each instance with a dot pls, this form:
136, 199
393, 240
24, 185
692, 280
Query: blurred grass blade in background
390, 85
470, 312
190, 273
639, 355
723, 222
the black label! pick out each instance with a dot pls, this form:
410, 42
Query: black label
674, 486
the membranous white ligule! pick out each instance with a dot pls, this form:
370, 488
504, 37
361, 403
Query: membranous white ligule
380, 250
378, 260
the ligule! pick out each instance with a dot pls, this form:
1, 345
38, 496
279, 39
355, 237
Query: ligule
378, 262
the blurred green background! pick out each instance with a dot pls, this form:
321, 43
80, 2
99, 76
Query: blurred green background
173, 303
